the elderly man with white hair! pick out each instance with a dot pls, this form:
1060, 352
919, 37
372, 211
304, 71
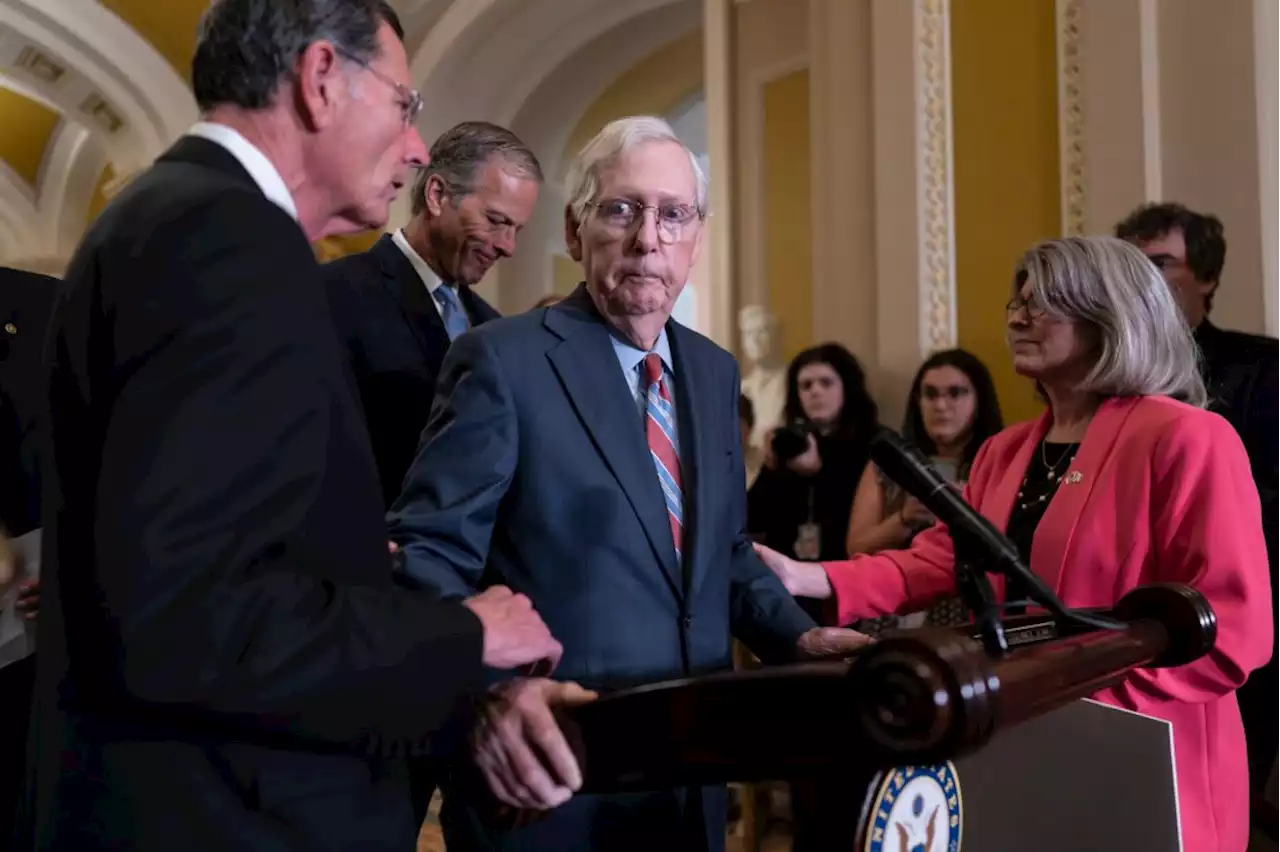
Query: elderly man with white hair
588, 455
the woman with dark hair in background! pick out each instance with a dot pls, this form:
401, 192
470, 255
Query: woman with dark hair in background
799, 504
951, 411
800, 501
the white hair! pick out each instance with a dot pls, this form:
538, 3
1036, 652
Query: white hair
617, 138
1145, 346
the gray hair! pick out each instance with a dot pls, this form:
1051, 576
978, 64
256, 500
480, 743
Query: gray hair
1145, 346
617, 138
461, 151
246, 48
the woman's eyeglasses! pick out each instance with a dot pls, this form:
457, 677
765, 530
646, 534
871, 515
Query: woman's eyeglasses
934, 394
1033, 308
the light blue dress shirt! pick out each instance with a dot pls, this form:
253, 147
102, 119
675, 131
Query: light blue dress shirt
631, 359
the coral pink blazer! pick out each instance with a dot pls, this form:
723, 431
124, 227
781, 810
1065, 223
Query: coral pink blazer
1166, 494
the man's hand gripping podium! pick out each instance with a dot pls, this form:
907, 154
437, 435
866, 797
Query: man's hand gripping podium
525, 757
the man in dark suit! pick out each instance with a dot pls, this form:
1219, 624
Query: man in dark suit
588, 455
225, 662
398, 305
1240, 371
26, 301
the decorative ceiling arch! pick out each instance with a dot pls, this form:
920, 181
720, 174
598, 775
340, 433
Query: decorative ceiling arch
484, 58
17, 212
418, 17
47, 220
550, 113
80, 58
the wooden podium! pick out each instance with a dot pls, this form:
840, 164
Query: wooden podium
937, 745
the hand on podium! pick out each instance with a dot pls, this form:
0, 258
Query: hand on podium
519, 748
831, 643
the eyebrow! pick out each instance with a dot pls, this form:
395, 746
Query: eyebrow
663, 197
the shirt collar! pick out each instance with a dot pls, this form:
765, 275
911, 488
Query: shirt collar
424, 270
631, 355
256, 163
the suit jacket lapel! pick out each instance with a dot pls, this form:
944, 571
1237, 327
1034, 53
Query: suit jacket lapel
1052, 543
589, 371
694, 381
478, 310
410, 294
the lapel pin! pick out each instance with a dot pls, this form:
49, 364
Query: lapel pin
1073, 477
10, 328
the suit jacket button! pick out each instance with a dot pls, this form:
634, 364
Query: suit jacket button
687, 621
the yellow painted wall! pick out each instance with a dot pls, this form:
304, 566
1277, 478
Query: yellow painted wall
566, 274
656, 86
1005, 113
29, 126
170, 26
788, 236
333, 248
99, 198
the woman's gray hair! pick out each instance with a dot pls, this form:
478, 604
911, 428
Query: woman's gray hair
617, 138
1145, 347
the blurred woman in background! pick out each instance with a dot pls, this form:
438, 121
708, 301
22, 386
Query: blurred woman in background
951, 411
800, 501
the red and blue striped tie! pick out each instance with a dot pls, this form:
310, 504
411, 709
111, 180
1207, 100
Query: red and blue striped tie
660, 429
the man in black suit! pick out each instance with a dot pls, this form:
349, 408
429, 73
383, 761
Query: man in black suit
1240, 371
225, 662
400, 304
588, 454
26, 300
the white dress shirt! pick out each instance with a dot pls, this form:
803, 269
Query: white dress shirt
261, 169
428, 275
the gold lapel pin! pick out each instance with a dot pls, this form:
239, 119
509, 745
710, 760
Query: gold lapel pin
10, 328
1073, 477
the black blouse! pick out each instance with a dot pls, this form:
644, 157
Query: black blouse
1049, 464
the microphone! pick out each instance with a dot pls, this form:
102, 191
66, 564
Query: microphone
973, 534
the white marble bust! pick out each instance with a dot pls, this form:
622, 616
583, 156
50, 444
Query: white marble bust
764, 377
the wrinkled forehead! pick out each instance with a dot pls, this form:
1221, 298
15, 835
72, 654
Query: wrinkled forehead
654, 172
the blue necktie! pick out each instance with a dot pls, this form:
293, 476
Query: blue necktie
455, 318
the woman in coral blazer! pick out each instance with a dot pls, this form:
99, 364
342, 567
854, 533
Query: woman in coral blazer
1124, 481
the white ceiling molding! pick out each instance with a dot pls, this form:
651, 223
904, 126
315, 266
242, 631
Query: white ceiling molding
547, 118
48, 219
56, 168
67, 183
108, 73
418, 17
551, 112
18, 216
540, 59
484, 58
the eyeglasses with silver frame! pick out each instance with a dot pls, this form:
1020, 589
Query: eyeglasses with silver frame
622, 214
410, 99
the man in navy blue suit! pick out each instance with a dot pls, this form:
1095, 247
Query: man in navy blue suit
399, 305
588, 455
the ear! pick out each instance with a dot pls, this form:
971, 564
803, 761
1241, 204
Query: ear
572, 239
320, 84
435, 195
696, 250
